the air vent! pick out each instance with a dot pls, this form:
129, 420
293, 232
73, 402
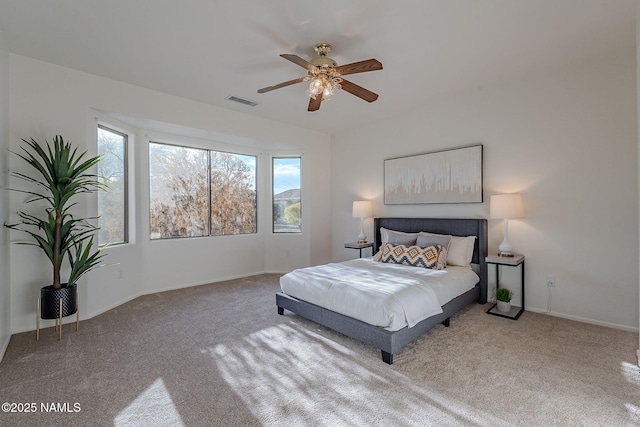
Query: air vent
242, 100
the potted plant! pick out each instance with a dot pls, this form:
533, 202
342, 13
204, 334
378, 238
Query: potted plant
59, 175
503, 299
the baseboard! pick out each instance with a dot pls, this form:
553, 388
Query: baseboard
205, 282
110, 307
87, 316
638, 354
166, 289
48, 323
586, 320
3, 349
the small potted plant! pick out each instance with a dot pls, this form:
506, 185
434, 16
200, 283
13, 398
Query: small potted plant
59, 174
503, 299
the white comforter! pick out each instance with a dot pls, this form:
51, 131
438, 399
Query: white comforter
391, 296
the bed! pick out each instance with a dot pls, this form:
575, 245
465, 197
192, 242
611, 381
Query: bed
389, 342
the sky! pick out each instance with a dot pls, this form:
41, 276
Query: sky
286, 174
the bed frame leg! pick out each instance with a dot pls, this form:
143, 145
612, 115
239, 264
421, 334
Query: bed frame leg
280, 311
387, 357
447, 322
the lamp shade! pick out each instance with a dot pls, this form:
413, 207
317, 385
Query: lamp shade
362, 209
506, 206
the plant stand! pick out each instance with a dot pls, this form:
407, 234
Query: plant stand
60, 313
514, 261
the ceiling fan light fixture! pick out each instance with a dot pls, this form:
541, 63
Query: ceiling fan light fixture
325, 85
317, 85
330, 89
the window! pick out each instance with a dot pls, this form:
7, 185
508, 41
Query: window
196, 192
178, 187
112, 170
233, 194
287, 201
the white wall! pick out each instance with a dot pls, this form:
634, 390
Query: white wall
47, 100
638, 120
5, 287
567, 142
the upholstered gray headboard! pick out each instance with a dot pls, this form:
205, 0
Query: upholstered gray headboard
452, 226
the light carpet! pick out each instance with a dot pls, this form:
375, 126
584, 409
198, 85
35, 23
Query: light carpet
220, 355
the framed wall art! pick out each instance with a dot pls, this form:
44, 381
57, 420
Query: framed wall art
449, 176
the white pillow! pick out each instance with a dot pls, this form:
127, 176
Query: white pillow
425, 240
460, 249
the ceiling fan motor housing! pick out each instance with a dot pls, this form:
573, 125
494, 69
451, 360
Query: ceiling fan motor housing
323, 49
324, 62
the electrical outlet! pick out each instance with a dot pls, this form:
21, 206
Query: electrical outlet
551, 281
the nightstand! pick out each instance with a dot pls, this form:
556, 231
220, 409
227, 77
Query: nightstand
514, 261
360, 246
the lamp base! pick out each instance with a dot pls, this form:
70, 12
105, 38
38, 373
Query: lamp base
504, 254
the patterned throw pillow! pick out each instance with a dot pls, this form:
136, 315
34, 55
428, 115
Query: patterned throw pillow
433, 257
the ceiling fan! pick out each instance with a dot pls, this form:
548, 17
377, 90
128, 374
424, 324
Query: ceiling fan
325, 76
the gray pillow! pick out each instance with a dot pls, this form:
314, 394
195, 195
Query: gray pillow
397, 237
424, 240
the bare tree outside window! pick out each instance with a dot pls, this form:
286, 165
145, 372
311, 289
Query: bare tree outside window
233, 194
112, 170
178, 205
287, 200
196, 192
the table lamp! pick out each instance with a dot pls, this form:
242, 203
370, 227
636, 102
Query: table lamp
362, 209
506, 206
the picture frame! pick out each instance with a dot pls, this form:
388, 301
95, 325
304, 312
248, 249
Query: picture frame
446, 176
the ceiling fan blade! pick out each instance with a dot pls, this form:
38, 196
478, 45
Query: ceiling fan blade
358, 91
359, 67
278, 86
314, 104
299, 61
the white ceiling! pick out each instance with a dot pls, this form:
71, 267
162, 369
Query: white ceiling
207, 50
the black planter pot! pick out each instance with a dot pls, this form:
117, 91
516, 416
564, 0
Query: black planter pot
50, 301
